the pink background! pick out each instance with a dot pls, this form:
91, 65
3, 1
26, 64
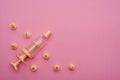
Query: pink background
85, 33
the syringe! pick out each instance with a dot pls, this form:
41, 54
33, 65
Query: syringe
35, 46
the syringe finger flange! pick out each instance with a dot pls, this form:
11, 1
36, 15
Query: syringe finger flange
27, 53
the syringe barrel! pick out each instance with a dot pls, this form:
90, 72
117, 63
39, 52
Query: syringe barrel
36, 45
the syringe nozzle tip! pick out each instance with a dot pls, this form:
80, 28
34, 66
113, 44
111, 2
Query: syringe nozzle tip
47, 34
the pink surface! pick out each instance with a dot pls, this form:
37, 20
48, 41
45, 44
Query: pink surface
85, 33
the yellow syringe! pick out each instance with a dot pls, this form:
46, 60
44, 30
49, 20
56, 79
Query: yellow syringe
28, 52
